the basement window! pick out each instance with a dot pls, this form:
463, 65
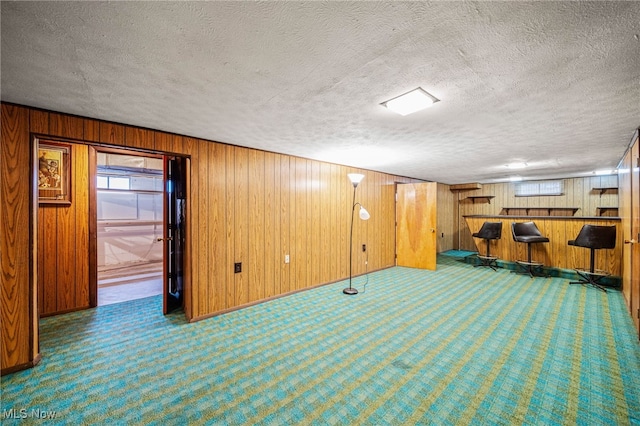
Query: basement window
539, 188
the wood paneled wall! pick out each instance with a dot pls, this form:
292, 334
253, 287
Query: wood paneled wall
247, 206
63, 275
446, 218
19, 324
578, 192
556, 253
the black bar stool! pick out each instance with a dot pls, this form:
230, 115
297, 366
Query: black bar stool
489, 231
528, 232
594, 237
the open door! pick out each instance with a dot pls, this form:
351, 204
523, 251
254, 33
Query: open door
174, 232
416, 209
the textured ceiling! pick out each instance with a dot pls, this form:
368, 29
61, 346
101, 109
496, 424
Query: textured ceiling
553, 84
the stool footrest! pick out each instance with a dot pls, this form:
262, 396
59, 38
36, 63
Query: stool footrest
524, 262
487, 257
596, 272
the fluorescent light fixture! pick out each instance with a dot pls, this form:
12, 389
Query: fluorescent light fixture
410, 102
517, 165
605, 172
515, 178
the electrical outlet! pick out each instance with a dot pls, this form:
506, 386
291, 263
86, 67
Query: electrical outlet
364, 247
237, 267
286, 258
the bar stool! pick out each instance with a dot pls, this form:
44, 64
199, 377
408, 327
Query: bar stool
528, 232
594, 237
489, 231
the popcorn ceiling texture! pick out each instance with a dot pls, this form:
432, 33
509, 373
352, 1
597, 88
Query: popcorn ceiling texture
553, 84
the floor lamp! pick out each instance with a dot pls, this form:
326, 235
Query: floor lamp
355, 178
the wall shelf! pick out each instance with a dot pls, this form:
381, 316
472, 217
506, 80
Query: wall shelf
603, 210
614, 189
473, 198
573, 210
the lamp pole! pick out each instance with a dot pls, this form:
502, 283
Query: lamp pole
351, 290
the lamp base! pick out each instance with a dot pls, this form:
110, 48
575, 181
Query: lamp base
350, 290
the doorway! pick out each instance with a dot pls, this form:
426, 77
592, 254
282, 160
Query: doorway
130, 222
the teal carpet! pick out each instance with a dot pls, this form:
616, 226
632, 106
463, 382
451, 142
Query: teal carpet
461, 345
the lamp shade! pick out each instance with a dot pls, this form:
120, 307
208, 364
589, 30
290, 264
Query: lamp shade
355, 178
364, 214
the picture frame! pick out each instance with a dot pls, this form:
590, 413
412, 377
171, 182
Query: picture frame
54, 173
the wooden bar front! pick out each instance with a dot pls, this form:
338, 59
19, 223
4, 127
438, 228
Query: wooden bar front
556, 253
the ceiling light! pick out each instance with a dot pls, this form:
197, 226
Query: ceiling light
515, 178
410, 102
605, 172
517, 165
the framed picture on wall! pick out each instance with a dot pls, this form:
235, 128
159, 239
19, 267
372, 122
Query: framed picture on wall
54, 173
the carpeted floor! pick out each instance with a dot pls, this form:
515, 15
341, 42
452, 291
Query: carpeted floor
461, 345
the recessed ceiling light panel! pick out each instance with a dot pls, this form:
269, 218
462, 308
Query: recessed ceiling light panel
517, 165
410, 102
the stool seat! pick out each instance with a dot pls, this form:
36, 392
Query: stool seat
594, 237
528, 233
489, 231
531, 239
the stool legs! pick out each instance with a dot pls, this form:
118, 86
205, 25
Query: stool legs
533, 269
590, 277
488, 260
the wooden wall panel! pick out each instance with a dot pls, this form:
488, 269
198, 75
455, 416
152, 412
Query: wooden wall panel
241, 229
298, 211
446, 218
200, 195
66, 126
285, 222
18, 281
578, 192
326, 221
257, 252
245, 206
217, 226
112, 134
139, 138
271, 254
556, 253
